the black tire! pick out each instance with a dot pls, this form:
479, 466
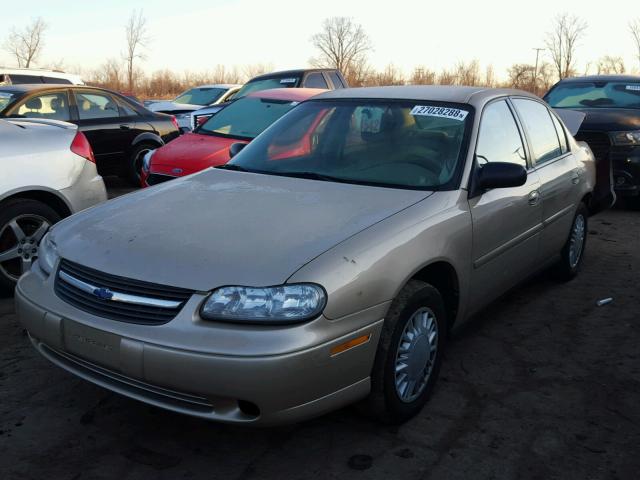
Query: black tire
134, 162
567, 268
384, 402
28, 212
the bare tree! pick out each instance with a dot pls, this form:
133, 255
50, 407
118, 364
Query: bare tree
609, 64
136, 31
253, 70
468, 74
342, 44
391, 75
25, 45
634, 27
562, 42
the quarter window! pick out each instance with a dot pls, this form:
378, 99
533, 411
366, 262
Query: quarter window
564, 146
315, 80
95, 105
54, 106
541, 130
499, 139
337, 82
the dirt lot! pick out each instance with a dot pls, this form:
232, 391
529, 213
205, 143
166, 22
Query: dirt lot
543, 385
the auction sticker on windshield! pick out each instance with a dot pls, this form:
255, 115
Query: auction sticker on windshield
288, 80
442, 112
633, 87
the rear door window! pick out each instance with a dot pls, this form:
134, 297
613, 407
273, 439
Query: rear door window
539, 125
562, 135
54, 106
94, 105
337, 81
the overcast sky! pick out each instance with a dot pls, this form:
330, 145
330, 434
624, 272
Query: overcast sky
198, 34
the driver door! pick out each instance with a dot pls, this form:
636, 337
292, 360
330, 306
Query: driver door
506, 221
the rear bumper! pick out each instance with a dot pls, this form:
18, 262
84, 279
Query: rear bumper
261, 389
87, 191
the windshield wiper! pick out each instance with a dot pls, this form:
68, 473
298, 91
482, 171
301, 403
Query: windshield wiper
231, 166
312, 176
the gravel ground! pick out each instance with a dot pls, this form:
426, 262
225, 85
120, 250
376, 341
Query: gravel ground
544, 384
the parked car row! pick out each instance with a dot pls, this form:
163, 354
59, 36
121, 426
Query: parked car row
323, 261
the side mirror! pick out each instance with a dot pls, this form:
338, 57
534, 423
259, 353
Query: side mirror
501, 175
236, 148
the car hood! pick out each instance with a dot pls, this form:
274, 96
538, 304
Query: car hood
610, 119
224, 227
165, 106
192, 152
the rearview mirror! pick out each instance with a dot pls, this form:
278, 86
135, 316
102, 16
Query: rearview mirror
501, 175
236, 148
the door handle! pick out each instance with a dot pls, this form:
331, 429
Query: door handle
534, 197
575, 178
125, 126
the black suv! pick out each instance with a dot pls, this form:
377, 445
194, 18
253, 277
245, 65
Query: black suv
611, 127
119, 130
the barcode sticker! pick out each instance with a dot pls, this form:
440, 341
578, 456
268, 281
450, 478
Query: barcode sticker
288, 80
442, 112
633, 87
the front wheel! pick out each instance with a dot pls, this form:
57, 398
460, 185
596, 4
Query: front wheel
573, 251
409, 354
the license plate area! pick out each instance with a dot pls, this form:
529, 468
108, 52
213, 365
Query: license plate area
95, 345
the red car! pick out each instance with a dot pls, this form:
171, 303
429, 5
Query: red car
208, 145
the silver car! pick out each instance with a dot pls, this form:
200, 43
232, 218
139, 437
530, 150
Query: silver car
324, 265
48, 172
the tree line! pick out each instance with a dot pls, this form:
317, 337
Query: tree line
341, 43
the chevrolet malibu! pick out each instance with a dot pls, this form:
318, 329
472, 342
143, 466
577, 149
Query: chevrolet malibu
324, 265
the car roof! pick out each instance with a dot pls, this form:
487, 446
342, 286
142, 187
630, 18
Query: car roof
285, 73
292, 94
602, 78
217, 85
32, 87
434, 93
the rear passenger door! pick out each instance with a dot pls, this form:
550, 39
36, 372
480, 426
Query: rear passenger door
99, 118
557, 169
506, 221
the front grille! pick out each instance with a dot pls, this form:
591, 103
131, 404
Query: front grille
598, 142
118, 310
126, 385
156, 178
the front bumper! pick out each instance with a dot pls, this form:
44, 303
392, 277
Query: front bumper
626, 170
265, 389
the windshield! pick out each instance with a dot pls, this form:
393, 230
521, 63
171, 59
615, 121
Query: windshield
595, 95
268, 84
5, 99
246, 118
200, 96
401, 144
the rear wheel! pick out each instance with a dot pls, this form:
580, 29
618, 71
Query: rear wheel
573, 250
134, 164
409, 354
23, 223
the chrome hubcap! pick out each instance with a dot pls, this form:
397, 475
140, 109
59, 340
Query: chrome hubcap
137, 162
416, 354
19, 241
576, 241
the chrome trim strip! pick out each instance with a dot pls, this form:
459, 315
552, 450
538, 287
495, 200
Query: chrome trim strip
118, 296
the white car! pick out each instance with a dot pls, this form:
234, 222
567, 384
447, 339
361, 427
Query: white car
16, 76
194, 99
48, 173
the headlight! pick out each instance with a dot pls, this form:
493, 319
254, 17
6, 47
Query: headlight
626, 138
47, 254
146, 160
270, 305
